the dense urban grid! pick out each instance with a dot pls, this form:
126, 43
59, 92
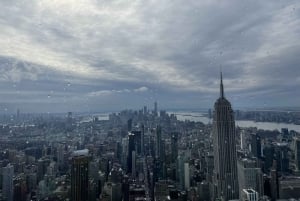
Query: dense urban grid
146, 155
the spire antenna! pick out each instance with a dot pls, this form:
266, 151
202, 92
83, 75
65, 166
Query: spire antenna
221, 86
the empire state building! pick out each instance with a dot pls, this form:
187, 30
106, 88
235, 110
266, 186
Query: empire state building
225, 157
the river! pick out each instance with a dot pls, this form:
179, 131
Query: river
197, 116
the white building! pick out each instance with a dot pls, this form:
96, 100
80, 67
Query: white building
249, 195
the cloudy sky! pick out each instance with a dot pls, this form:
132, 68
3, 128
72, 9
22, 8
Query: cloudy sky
96, 55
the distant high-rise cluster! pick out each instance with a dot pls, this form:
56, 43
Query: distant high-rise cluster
148, 155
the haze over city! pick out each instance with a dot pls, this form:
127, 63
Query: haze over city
58, 56
147, 100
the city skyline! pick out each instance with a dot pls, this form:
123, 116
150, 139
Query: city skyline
110, 55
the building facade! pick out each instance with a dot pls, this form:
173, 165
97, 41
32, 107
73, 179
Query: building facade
250, 176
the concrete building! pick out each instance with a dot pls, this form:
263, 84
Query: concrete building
250, 175
186, 176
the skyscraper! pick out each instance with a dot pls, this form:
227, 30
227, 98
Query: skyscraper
160, 153
158, 142
256, 145
137, 141
225, 159
174, 147
250, 175
186, 176
8, 185
80, 175
281, 157
142, 140
297, 153
131, 148
155, 108
129, 125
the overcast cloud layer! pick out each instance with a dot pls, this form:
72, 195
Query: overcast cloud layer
95, 55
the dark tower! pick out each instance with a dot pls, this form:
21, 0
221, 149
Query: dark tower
137, 141
174, 146
131, 148
225, 156
158, 142
142, 140
155, 108
256, 145
80, 175
129, 125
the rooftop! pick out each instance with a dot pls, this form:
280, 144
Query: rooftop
83, 152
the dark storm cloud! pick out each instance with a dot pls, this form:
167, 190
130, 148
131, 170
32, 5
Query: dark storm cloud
92, 55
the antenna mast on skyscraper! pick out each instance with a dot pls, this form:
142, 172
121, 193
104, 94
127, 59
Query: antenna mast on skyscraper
221, 84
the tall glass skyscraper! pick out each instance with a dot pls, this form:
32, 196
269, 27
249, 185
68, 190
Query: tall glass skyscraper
80, 175
225, 157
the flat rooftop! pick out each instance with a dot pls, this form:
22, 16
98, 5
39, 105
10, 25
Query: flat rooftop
83, 152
